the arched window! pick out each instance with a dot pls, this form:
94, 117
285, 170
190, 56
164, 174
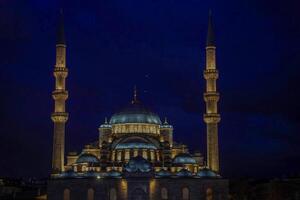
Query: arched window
164, 193
90, 194
209, 194
66, 194
185, 193
145, 154
112, 194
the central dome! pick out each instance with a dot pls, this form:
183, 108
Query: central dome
135, 112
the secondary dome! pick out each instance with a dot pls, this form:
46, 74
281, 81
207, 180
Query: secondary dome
135, 112
184, 158
87, 158
207, 173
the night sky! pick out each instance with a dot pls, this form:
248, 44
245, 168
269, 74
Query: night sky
158, 45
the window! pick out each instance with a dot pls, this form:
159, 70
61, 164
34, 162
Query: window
135, 153
66, 194
127, 154
119, 155
209, 194
145, 154
90, 194
152, 155
112, 194
185, 194
164, 193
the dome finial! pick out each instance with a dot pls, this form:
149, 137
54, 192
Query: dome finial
134, 95
166, 121
105, 120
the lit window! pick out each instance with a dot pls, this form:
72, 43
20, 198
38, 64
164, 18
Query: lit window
66, 194
127, 154
112, 194
145, 154
119, 155
90, 194
135, 153
164, 193
152, 155
185, 194
209, 194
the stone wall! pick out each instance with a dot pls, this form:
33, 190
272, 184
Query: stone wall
138, 188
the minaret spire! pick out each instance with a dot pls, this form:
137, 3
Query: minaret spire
60, 95
211, 98
210, 40
60, 38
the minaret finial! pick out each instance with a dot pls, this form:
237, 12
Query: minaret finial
135, 100
210, 40
60, 38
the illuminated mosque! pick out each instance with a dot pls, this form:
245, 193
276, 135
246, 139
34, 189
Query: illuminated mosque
135, 156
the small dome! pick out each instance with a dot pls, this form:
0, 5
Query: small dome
114, 173
69, 174
91, 174
163, 173
184, 158
138, 164
184, 173
87, 158
207, 173
135, 113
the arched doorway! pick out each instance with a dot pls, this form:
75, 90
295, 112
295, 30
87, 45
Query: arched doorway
138, 194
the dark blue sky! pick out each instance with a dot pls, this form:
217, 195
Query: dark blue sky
157, 45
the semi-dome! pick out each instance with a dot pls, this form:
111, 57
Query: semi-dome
138, 164
184, 158
207, 173
135, 112
87, 158
135, 143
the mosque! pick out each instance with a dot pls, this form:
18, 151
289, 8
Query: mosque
135, 156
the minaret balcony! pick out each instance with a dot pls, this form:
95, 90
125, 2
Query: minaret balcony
60, 94
59, 117
211, 96
212, 118
60, 71
211, 74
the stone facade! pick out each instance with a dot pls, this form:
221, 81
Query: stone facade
139, 188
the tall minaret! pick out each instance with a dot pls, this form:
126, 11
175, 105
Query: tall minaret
211, 98
60, 95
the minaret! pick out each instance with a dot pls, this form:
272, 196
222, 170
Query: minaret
60, 95
211, 98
